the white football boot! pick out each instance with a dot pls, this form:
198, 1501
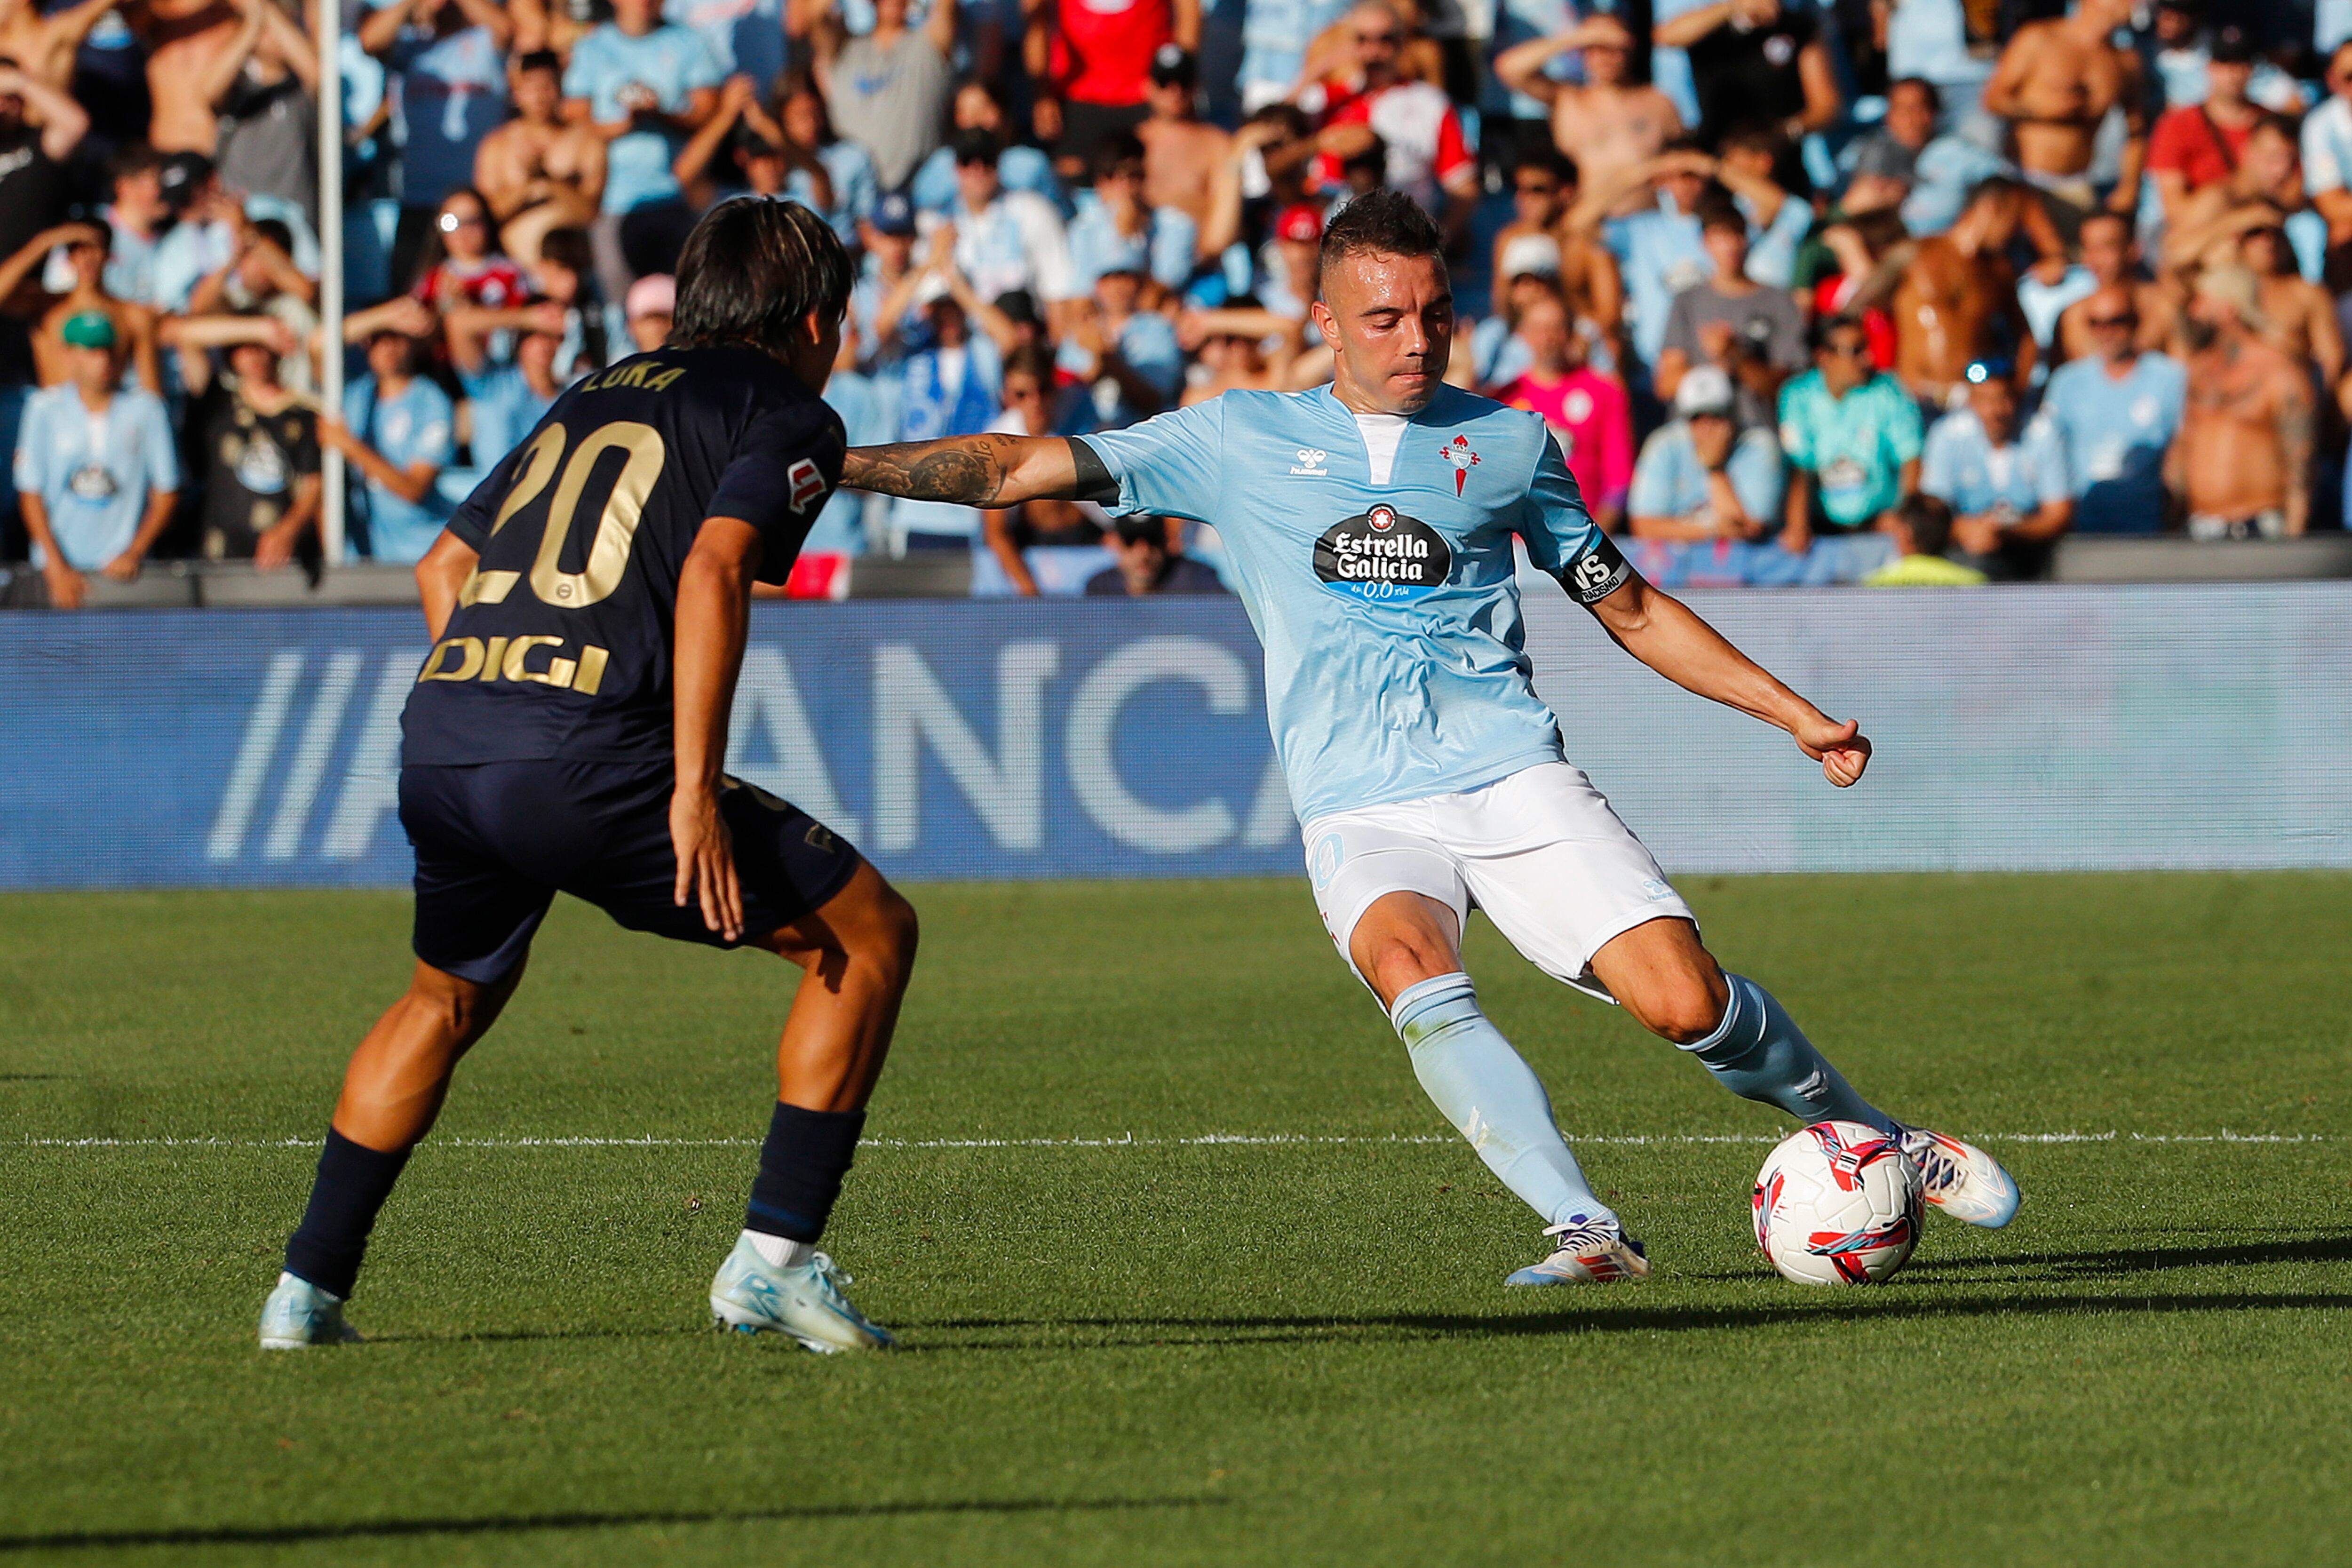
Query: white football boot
1961, 1179
1590, 1249
298, 1315
751, 1297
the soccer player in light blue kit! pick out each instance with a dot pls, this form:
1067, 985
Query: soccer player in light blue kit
1369, 526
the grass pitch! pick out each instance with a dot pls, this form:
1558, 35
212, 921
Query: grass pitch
1173, 1352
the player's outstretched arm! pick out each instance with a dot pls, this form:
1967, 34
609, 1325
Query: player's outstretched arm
982, 470
1666, 635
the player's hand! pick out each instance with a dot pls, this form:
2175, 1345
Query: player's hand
1842, 749
706, 862
124, 568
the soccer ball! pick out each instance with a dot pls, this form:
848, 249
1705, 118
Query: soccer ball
1838, 1204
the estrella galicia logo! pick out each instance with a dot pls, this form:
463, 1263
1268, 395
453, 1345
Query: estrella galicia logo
1383, 555
1323, 861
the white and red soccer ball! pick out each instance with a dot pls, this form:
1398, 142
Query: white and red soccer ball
1838, 1204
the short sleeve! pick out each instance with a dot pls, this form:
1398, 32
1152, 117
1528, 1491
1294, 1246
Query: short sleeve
162, 452
1174, 238
1170, 465
1786, 348
1936, 476
2047, 455
2167, 147
1148, 343
2323, 171
700, 67
1561, 537
472, 519
585, 73
788, 462
1682, 329
436, 429
1757, 477
304, 455
1905, 433
1653, 494
1796, 440
32, 441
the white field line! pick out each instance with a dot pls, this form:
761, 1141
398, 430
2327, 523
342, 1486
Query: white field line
1130, 1141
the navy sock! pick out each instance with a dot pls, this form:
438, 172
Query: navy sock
801, 1166
352, 1183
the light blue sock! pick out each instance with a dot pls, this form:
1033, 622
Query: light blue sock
1491, 1097
1758, 1053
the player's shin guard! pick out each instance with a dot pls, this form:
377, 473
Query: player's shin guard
1491, 1096
352, 1183
801, 1169
1757, 1052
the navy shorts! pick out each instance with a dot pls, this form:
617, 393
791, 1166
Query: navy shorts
497, 841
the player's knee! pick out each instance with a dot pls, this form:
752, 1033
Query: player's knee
898, 930
458, 1009
1685, 1009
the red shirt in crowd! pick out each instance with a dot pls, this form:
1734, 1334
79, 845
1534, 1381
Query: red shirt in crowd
1593, 421
1103, 48
1416, 122
2192, 144
494, 284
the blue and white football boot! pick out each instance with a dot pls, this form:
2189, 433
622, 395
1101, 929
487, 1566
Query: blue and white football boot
1961, 1179
751, 1297
298, 1315
1590, 1249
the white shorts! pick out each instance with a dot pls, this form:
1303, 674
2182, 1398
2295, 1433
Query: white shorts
1540, 851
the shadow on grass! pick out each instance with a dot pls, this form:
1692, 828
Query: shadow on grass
1840, 1307
393, 1529
2149, 1260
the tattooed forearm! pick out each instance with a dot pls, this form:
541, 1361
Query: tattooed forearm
966, 469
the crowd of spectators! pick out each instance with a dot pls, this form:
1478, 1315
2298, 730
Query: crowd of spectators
1966, 275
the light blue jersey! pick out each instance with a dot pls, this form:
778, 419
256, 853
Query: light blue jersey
1373, 552
1965, 469
1670, 481
505, 410
417, 427
672, 63
2114, 432
94, 471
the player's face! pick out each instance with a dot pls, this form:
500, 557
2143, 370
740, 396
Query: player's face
1910, 119
1391, 320
2106, 249
255, 364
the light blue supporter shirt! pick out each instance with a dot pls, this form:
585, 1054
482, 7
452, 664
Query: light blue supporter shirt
417, 427
94, 471
2115, 434
671, 61
1670, 481
1965, 469
1373, 554
505, 411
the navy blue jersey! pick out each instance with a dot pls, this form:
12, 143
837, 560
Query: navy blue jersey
561, 643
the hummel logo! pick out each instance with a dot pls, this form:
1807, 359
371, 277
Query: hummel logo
1310, 463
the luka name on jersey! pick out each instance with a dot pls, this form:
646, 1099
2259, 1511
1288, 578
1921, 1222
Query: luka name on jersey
560, 646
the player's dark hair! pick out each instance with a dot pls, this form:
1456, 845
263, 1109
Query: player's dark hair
752, 270
1385, 222
1929, 521
539, 60
276, 231
570, 249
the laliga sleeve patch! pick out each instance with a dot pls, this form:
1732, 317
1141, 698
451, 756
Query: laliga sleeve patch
804, 484
1597, 573
1383, 556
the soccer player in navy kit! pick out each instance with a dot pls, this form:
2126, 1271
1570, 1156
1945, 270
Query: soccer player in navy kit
589, 604
1370, 525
